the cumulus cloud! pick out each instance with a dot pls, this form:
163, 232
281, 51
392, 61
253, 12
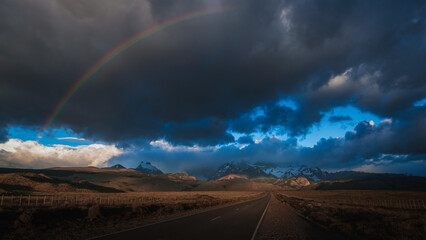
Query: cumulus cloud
279, 118
324, 54
166, 146
190, 85
368, 147
73, 139
31, 154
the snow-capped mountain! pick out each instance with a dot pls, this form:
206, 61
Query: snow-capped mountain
240, 168
252, 170
312, 174
147, 167
117, 166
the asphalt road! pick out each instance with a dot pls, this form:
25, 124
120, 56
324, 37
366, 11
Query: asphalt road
233, 222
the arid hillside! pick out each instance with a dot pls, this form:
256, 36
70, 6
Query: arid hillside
129, 180
86, 179
19, 183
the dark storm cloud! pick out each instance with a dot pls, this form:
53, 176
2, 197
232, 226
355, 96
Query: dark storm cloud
403, 139
339, 118
404, 135
368, 145
192, 82
245, 140
3, 134
276, 118
381, 42
195, 133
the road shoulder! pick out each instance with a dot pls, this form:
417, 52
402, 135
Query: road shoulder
281, 222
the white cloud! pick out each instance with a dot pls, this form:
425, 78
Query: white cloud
339, 80
388, 121
73, 139
416, 168
285, 20
353, 79
243, 146
31, 154
164, 145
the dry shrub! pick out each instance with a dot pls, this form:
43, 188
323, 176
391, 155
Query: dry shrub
25, 219
343, 211
93, 212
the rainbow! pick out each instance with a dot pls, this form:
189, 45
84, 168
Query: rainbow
120, 49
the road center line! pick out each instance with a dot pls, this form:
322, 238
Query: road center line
215, 218
171, 219
261, 218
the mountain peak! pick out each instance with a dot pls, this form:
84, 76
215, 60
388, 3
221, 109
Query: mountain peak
117, 166
239, 168
290, 171
147, 167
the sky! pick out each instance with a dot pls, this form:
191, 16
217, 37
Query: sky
333, 84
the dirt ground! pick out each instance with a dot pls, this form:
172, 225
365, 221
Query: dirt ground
363, 214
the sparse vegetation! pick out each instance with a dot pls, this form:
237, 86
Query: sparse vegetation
83, 215
363, 214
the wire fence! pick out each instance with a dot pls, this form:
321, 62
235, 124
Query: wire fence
64, 200
77, 200
413, 203
385, 203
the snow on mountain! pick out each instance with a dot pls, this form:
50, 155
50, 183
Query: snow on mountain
233, 177
240, 168
260, 169
279, 172
312, 174
253, 170
117, 166
147, 167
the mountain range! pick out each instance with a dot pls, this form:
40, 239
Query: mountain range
241, 169
147, 167
253, 170
143, 167
233, 176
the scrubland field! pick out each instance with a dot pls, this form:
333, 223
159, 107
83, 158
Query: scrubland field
121, 199
83, 215
363, 214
